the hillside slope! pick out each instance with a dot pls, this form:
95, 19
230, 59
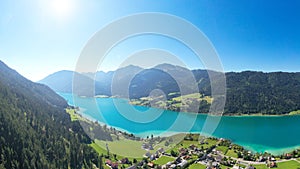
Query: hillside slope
35, 131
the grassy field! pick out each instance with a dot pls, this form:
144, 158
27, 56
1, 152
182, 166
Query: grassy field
223, 149
193, 96
186, 143
197, 166
294, 112
231, 153
99, 149
282, 165
210, 142
123, 147
163, 160
74, 116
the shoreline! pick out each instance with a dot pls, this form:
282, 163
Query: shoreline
292, 113
276, 151
158, 133
228, 115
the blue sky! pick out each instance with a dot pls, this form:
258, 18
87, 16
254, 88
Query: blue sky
38, 38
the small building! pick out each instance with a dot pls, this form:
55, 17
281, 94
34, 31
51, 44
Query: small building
288, 156
108, 162
152, 157
114, 165
183, 163
173, 166
150, 164
192, 147
215, 164
161, 150
273, 164
125, 161
147, 155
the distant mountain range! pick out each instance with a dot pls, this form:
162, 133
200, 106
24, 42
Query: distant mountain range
139, 82
248, 92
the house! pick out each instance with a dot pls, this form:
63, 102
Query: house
173, 166
161, 150
108, 162
187, 157
152, 157
141, 163
273, 164
183, 152
178, 160
156, 154
182, 164
150, 164
147, 146
288, 156
147, 155
262, 159
125, 161
215, 164
192, 147
114, 165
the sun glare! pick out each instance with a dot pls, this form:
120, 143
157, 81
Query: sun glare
60, 9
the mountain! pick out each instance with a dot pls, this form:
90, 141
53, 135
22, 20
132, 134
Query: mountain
17, 83
60, 81
35, 130
248, 92
267, 93
139, 82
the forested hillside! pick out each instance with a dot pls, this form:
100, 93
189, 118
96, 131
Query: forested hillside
35, 131
248, 92
267, 93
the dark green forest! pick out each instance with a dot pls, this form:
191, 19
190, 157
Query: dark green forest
247, 92
266, 93
35, 131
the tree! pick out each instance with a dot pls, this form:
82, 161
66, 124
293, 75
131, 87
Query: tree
134, 161
173, 153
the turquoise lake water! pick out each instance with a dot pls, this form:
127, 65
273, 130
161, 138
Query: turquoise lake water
275, 134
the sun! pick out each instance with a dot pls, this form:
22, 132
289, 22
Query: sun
59, 9
62, 8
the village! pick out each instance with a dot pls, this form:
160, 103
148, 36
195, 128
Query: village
198, 152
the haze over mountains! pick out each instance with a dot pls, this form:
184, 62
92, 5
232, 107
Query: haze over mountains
248, 92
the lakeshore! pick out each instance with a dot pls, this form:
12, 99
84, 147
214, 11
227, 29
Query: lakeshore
182, 150
257, 133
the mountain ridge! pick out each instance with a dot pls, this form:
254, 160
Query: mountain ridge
248, 92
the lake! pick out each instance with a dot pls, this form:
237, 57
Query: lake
274, 134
